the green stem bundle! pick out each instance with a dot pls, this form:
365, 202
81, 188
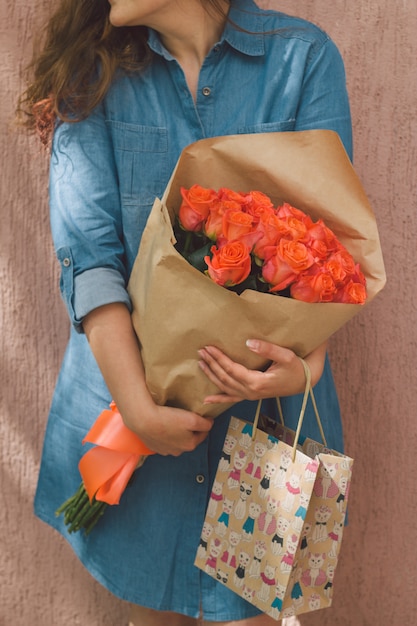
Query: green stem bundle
80, 513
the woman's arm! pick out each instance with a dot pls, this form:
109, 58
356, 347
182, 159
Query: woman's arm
114, 344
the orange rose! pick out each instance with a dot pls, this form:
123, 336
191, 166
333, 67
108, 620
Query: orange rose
344, 258
297, 229
318, 231
272, 229
227, 195
286, 210
260, 212
336, 270
284, 262
235, 224
230, 265
314, 287
195, 207
213, 226
296, 254
351, 293
258, 203
318, 249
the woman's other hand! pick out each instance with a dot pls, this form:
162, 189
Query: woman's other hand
284, 377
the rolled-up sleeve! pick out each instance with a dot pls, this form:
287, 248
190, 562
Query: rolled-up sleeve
86, 218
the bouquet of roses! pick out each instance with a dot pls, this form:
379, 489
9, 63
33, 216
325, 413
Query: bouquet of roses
241, 241
275, 251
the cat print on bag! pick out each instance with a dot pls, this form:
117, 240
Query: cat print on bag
264, 485
343, 492
325, 485
311, 469
315, 575
222, 576
276, 606
322, 516
301, 512
328, 587
277, 544
223, 521
267, 522
334, 535
215, 548
245, 491
296, 591
304, 539
268, 582
314, 602
281, 474
216, 496
248, 594
260, 550
293, 490
243, 562
229, 555
249, 525
205, 536
228, 447
239, 462
246, 436
287, 560
254, 467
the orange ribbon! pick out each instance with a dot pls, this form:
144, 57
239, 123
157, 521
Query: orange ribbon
107, 468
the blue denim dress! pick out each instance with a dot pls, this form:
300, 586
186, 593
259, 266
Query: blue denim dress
273, 73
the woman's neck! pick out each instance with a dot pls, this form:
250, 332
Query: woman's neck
190, 37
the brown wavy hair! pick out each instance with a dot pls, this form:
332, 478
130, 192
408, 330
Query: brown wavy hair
79, 54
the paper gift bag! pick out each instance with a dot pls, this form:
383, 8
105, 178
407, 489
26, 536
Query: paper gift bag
177, 310
275, 518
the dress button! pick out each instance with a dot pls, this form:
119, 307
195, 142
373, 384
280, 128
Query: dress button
206, 91
66, 262
199, 478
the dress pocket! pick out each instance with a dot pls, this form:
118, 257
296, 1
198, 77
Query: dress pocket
141, 154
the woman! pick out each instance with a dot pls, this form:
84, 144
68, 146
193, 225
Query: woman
129, 86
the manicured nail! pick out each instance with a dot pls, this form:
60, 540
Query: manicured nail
253, 344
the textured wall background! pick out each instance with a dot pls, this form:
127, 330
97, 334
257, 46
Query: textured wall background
41, 583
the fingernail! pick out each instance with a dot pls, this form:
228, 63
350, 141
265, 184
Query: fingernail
252, 344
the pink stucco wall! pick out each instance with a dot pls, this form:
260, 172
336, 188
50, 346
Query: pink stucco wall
374, 356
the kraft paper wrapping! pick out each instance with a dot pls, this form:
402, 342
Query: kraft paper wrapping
177, 310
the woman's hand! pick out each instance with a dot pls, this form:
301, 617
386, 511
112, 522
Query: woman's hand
168, 430
284, 377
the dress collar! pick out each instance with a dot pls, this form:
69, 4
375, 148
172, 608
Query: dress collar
245, 33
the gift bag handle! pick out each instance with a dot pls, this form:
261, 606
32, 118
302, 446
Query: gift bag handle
308, 391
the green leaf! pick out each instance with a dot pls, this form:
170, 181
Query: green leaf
196, 258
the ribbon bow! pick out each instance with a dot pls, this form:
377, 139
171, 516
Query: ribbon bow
107, 468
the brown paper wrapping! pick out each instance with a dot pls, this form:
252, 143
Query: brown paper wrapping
177, 310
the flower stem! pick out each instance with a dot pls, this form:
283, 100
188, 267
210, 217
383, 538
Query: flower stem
80, 513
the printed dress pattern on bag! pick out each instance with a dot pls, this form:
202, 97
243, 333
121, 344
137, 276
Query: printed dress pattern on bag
273, 526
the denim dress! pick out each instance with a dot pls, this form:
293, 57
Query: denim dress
272, 73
